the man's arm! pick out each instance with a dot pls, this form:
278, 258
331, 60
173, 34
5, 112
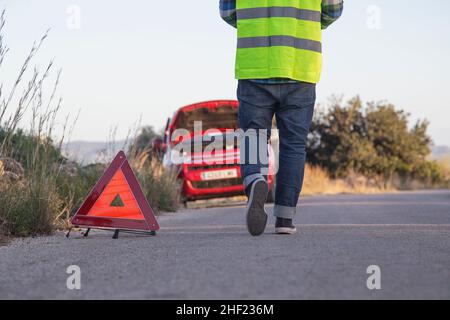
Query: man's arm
228, 11
331, 11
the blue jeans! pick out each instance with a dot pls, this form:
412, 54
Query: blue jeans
293, 106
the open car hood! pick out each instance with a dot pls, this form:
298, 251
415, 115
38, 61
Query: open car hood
213, 115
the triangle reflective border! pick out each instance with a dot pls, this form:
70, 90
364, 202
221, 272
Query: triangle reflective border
118, 182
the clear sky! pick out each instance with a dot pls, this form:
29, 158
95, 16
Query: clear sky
126, 59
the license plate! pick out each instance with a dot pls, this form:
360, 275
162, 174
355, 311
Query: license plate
219, 175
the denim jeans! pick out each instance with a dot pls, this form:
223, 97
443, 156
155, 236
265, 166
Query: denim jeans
293, 106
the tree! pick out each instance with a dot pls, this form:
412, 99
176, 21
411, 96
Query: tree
375, 141
143, 141
337, 141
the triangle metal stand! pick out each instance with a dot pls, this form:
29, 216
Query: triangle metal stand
116, 232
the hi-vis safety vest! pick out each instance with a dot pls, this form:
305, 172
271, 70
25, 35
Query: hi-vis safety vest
279, 39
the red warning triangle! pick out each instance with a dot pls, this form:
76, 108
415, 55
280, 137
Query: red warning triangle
117, 201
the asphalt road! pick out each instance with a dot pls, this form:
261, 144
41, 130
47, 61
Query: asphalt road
207, 254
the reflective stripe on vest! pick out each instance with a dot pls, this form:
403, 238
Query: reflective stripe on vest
287, 41
279, 12
279, 39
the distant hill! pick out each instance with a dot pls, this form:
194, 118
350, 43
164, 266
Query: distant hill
86, 152
439, 152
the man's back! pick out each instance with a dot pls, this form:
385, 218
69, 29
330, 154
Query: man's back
280, 38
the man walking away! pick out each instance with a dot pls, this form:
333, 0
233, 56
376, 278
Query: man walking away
278, 63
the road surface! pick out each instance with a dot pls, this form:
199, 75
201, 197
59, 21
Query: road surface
207, 254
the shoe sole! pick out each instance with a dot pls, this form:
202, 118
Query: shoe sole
287, 231
256, 214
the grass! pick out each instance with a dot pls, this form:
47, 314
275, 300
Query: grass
30, 205
318, 182
3, 239
30, 210
159, 184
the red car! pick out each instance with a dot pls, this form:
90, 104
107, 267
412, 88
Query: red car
208, 172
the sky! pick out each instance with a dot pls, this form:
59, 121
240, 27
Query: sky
125, 60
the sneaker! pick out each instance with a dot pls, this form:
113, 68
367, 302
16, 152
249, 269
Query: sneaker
256, 213
285, 226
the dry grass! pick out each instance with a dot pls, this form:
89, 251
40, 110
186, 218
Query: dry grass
31, 206
159, 184
318, 182
3, 238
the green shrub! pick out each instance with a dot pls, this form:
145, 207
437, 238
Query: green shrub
30, 209
431, 173
375, 141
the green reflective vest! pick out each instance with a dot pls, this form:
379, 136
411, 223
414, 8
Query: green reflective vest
279, 39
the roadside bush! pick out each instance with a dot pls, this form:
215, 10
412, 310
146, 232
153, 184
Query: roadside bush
444, 163
375, 141
429, 174
29, 209
30, 201
22, 147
